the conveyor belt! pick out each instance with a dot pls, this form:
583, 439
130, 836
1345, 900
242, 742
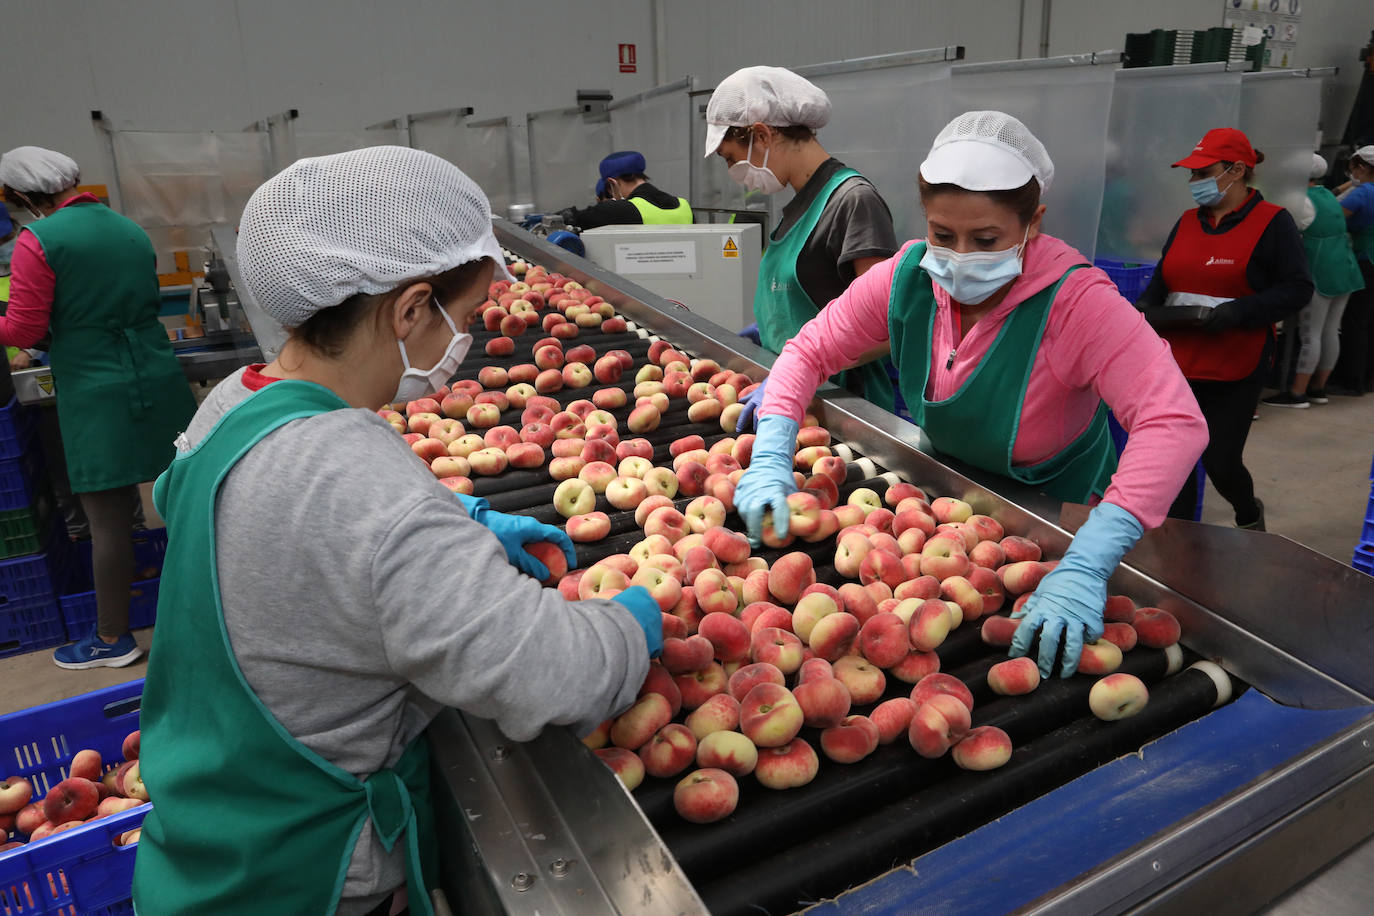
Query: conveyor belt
780, 850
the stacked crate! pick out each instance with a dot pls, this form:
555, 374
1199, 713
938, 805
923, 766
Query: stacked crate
78, 608
34, 556
1165, 47
1364, 550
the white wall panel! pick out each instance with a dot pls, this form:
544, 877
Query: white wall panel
221, 64
713, 38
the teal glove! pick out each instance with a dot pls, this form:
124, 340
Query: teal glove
1069, 601
645, 610
752, 401
769, 479
515, 531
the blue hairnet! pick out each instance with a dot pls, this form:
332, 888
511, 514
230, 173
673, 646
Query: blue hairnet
625, 162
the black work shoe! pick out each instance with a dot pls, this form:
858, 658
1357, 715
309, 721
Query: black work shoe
1318, 395
1258, 523
1286, 399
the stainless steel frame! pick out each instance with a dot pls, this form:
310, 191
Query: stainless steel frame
521, 814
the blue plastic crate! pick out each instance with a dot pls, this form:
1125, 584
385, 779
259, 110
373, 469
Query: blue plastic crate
81, 870
17, 425
1130, 277
27, 626
1364, 559
78, 611
37, 576
150, 546
20, 478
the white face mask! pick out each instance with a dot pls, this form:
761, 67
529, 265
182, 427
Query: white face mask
755, 177
416, 383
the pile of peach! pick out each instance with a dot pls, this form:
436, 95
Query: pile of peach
89, 793
583, 438
753, 653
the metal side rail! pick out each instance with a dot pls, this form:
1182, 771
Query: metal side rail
543, 827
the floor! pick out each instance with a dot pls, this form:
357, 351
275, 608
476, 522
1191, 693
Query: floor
1311, 468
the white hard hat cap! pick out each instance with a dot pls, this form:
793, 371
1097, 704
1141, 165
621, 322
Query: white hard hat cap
365, 221
1366, 153
764, 95
1318, 167
987, 151
38, 170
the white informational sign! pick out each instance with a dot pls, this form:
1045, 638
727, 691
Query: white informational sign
1276, 20
656, 258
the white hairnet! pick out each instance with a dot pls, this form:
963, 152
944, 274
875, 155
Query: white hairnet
987, 151
764, 95
328, 228
1318, 167
1366, 154
42, 171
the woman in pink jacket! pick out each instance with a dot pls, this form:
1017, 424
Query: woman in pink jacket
1010, 347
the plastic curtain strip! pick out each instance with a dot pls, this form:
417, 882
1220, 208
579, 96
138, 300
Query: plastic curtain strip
659, 128
481, 149
564, 150
1067, 107
1279, 112
176, 185
1158, 115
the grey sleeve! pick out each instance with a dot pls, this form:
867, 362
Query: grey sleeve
469, 630
859, 225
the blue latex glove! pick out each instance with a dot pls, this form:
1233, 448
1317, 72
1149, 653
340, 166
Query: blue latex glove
646, 612
1068, 602
751, 403
515, 531
769, 479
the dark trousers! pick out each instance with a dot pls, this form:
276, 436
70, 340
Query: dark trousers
1228, 408
1354, 369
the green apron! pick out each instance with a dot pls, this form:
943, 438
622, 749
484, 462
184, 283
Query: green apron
121, 395
247, 819
781, 306
1362, 240
978, 424
1330, 254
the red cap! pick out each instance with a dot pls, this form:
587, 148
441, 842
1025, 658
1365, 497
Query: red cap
1220, 144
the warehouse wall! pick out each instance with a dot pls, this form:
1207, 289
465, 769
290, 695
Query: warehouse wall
222, 64
712, 38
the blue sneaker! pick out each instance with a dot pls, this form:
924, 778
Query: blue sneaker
94, 652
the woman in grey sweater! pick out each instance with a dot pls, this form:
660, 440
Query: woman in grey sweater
326, 595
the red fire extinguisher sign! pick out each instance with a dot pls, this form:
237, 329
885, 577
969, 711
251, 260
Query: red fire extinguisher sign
627, 58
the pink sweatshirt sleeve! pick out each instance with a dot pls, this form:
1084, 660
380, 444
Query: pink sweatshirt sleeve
32, 286
832, 341
1104, 344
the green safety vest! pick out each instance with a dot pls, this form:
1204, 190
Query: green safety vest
121, 395
248, 819
978, 424
1330, 253
782, 307
681, 215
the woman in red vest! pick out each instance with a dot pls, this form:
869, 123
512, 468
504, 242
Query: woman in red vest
1231, 267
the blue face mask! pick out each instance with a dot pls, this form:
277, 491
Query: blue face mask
1206, 193
972, 277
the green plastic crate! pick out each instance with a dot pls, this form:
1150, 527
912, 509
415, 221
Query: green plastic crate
24, 531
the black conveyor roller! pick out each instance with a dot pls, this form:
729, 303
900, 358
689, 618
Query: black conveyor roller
839, 854
782, 850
